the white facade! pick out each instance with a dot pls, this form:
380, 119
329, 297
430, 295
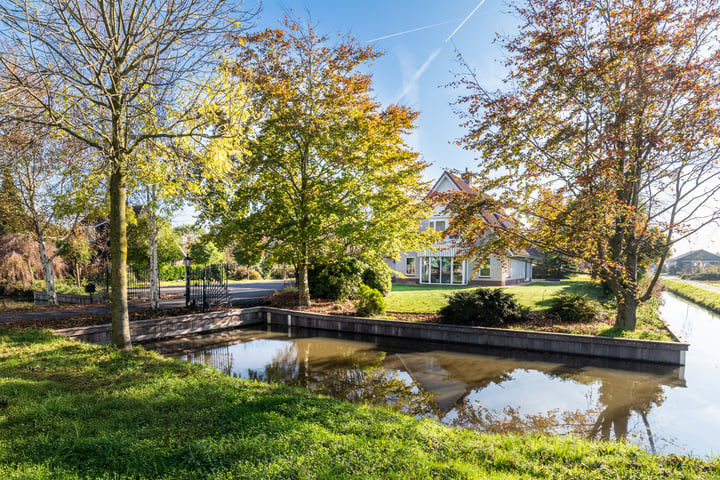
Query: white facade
445, 266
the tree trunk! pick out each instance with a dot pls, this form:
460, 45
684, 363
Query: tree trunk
626, 311
152, 241
47, 270
303, 287
118, 254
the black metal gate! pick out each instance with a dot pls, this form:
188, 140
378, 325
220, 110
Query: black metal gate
138, 282
207, 286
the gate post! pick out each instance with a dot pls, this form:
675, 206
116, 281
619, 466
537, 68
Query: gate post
204, 288
187, 280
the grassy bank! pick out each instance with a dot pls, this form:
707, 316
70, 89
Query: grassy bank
697, 295
69, 411
428, 299
536, 295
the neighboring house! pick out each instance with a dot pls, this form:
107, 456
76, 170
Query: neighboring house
691, 262
445, 265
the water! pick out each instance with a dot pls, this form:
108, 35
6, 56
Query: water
664, 409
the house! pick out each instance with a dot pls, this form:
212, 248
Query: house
692, 262
445, 264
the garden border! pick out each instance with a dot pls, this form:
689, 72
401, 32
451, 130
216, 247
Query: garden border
672, 353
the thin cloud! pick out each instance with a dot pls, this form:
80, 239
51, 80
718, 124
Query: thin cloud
413, 30
463, 22
416, 76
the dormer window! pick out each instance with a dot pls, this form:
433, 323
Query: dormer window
438, 225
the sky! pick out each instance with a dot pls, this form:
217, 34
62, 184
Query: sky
420, 40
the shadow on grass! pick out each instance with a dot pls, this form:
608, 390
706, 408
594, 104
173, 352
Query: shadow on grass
87, 411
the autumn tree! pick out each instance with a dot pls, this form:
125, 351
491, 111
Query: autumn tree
604, 146
100, 70
52, 184
327, 172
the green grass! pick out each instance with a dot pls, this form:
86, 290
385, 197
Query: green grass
705, 298
70, 411
61, 286
536, 295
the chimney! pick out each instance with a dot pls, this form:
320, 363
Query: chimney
467, 176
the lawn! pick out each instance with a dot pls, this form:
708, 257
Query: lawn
70, 410
536, 295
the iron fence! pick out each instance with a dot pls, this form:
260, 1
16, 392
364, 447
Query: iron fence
138, 283
206, 286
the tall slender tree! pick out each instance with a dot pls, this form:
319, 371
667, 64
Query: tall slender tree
97, 69
327, 172
605, 144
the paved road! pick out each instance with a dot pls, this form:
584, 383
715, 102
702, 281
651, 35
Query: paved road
241, 294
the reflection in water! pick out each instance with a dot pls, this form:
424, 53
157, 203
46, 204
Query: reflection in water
490, 393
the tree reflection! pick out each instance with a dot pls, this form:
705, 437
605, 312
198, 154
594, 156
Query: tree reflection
347, 373
608, 418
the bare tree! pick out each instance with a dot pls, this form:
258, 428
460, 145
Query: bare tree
104, 67
51, 177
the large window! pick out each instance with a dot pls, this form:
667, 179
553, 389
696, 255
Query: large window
445, 270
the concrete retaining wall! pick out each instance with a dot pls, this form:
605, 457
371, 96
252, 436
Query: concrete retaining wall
40, 298
616, 348
169, 327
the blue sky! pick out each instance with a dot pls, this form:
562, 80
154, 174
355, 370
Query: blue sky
420, 40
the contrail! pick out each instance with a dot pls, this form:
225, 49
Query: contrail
463, 22
411, 31
418, 74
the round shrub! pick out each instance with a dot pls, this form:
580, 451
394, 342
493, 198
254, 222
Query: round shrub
338, 280
369, 302
482, 307
572, 308
255, 275
378, 277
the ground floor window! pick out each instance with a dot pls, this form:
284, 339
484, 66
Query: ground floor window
410, 266
447, 270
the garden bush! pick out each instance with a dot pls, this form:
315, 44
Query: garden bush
170, 273
369, 302
572, 308
378, 277
255, 275
482, 307
338, 280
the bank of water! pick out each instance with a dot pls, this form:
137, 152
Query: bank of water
664, 409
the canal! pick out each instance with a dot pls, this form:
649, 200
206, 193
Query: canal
664, 409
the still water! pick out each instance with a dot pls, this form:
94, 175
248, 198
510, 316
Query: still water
664, 409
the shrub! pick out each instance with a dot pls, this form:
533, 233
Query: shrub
255, 275
169, 273
369, 302
378, 277
338, 280
482, 307
572, 308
